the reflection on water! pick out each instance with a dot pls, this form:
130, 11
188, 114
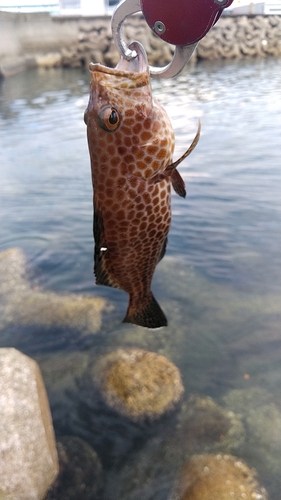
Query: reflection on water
219, 284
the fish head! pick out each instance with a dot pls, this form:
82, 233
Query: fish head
115, 91
125, 124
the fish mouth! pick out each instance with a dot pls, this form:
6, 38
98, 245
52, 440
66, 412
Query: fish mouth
137, 64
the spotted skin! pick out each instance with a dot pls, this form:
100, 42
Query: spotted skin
131, 143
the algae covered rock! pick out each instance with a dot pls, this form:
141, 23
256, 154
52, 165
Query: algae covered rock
220, 477
80, 474
138, 384
116, 403
200, 426
28, 453
21, 305
206, 426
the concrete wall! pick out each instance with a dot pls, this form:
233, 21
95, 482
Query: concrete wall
37, 39
26, 37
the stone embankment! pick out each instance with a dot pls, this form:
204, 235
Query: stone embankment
30, 40
242, 36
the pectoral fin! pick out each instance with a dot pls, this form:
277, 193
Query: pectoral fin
178, 184
159, 176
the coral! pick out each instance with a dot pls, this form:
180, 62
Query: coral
138, 384
221, 477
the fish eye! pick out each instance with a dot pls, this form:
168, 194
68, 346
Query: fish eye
109, 118
114, 118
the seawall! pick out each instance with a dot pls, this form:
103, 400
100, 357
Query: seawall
28, 40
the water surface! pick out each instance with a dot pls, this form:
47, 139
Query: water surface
220, 282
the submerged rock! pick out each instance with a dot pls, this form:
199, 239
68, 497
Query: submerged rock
205, 426
80, 475
148, 473
21, 305
200, 426
241, 400
262, 416
138, 384
28, 454
220, 477
264, 426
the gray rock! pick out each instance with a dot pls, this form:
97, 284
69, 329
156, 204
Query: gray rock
28, 454
80, 473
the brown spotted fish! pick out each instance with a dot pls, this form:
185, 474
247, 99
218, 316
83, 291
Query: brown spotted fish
131, 143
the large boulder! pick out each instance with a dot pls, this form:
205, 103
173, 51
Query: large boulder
28, 455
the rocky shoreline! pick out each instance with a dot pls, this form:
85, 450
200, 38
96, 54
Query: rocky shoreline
40, 40
129, 416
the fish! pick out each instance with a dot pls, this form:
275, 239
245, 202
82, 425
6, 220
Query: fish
131, 144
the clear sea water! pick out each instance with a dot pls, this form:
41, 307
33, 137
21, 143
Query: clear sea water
220, 282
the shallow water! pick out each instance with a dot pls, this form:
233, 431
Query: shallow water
220, 282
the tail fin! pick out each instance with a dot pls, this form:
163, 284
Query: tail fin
149, 314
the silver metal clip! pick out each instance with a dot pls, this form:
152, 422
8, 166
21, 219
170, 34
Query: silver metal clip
182, 52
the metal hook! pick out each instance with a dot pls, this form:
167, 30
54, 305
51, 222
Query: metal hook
182, 52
